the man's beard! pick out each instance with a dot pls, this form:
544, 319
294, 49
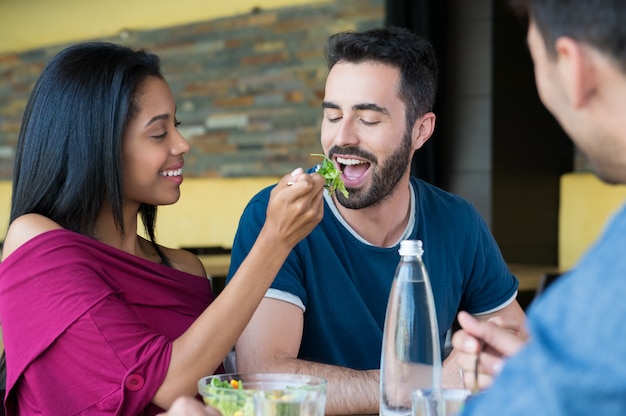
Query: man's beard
384, 177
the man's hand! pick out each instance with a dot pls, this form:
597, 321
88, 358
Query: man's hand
495, 340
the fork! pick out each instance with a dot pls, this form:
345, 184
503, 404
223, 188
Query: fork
476, 387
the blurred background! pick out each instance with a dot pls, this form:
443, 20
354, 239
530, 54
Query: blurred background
248, 77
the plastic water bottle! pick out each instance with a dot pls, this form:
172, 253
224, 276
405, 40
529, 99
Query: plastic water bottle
411, 355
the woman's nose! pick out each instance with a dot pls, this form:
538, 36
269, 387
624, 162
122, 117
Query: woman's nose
180, 145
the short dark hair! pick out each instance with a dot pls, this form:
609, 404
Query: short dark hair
598, 23
413, 55
69, 151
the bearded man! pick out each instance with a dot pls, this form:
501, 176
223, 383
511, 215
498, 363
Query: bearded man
325, 311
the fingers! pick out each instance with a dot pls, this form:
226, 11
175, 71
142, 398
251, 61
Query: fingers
298, 179
294, 210
484, 380
499, 339
489, 363
512, 325
493, 341
294, 176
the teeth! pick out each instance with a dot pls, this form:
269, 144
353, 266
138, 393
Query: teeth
344, 161
176, 172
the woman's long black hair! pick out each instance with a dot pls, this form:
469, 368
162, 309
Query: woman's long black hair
69, 153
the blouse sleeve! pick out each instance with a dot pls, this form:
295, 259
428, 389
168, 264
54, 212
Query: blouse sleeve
105, 361
72, 343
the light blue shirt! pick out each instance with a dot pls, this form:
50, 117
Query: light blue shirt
575, 362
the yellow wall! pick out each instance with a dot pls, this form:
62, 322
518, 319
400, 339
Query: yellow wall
29, 24
5, 207
208, 211
586, 204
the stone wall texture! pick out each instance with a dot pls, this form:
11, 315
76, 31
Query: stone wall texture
248, 88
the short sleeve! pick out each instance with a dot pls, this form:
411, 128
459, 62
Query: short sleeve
491, 284
113, 363
250, 224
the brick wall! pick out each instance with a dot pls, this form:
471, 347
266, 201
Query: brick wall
248, 88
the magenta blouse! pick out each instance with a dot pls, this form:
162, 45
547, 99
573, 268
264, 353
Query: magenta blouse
89, 328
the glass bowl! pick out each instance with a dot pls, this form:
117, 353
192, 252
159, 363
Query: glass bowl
265, 394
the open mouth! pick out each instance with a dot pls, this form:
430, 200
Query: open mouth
352, 169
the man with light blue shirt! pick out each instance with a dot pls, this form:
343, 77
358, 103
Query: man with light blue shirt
574, 360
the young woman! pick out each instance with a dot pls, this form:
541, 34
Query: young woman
95, 318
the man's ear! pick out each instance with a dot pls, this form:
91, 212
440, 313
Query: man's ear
423, 129
576, 69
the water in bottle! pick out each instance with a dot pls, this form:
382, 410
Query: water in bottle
411, 355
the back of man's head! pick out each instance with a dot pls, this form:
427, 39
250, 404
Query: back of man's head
598, 23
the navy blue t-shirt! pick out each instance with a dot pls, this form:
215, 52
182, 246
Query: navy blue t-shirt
344, 283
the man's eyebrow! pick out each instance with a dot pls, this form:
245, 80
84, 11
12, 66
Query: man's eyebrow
158, 117
371, 107
327, 104
358, 107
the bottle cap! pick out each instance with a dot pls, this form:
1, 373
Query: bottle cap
411, 248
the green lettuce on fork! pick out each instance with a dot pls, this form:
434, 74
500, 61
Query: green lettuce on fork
332, 176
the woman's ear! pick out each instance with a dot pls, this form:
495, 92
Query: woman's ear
576, 69
423, 129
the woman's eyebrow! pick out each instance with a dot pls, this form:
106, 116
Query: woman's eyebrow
157, 117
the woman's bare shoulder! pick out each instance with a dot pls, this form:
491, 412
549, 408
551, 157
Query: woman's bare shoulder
25, 228
185, 261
